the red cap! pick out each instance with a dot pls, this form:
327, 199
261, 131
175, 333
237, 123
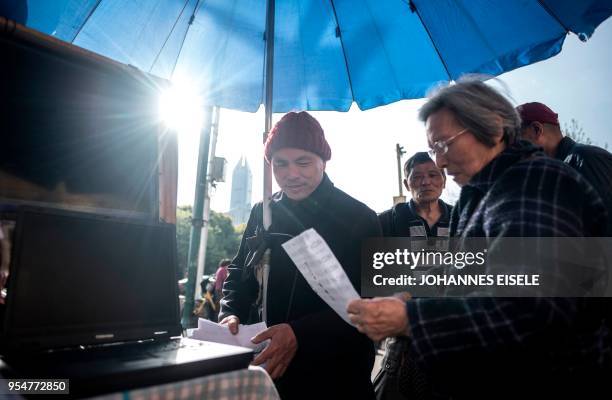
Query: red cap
537, 112
300, 131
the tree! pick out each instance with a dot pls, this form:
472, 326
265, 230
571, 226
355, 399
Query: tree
240, 229
223, 239
183, 230
574, 130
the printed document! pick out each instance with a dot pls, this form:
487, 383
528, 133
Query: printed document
321, 269
213, 332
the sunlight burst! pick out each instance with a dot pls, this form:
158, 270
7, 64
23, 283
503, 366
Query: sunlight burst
181, 109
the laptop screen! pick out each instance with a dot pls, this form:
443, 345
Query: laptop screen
83, 279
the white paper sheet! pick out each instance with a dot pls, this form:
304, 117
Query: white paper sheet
315, 260
213, 332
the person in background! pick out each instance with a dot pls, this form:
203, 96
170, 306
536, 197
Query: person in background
425, 214
220, 277
540, 126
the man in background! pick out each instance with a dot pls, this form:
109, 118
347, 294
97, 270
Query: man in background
540, 125
425, 215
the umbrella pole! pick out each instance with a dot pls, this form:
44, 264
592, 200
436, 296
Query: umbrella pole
197, 218
267, 171
269, 78
206, 217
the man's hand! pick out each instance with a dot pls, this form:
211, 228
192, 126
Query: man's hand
380, 317
232, 323
281, 350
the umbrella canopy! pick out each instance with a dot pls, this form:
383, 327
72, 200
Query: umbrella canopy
327, 54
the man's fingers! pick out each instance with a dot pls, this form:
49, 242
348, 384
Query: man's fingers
233, 326
283, 369
361, 328
264, 356
275, 369
232, 323
279, 371
272, 366
260, 359
353, 306
263, 335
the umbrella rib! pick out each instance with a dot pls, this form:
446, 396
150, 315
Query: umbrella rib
93, 9
552, 14
170, 34
414, 9
339, 34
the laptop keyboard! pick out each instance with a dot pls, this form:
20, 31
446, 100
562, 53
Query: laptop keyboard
119, 350
136, 350
167, 346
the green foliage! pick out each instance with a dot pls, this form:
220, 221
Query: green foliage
183, 229
240, 229
223, 239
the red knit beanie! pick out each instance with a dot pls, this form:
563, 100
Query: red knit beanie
537, 112
297, 130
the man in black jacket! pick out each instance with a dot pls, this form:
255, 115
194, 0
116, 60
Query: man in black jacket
425, 215
312, 352
540, 125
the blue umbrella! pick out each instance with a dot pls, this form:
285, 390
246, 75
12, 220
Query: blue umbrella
327, 54
324, 55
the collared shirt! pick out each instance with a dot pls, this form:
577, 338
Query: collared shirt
439, 228
404, 221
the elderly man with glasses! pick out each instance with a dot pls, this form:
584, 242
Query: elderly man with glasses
500, 347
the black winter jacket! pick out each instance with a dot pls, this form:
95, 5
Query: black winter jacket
595, 164
331, 354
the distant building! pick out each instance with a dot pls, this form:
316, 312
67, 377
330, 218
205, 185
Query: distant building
240, 201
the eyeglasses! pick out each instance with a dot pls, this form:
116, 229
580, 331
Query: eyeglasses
441, 146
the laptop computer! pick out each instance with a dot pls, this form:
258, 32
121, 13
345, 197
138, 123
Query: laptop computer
94, 299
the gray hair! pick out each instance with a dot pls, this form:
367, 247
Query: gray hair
477, 107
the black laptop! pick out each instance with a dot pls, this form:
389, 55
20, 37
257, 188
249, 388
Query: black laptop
94, 299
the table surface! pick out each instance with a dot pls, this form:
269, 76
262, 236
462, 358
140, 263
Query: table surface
245, 384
